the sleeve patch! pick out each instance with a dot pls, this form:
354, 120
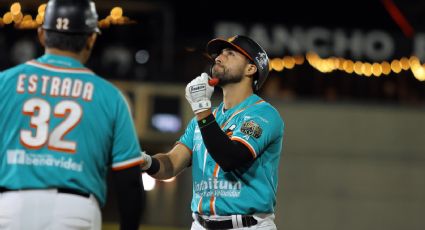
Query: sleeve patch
252, 129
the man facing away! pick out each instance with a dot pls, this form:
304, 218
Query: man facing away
234, 149
63, 127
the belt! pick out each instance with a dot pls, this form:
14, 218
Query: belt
247, 221
59, 190
73, 191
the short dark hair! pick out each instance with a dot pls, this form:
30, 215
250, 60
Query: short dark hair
65, 41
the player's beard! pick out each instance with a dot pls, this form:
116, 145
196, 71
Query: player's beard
224, 75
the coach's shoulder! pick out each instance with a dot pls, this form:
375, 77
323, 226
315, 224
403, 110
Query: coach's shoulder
13, 70
102, 82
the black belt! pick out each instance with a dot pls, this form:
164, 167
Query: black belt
247, 221
60, 190
73, 191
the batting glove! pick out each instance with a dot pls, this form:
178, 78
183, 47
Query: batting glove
147, 161
198, 93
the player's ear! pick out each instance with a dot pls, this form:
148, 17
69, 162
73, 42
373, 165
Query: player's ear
250, 69
41, 37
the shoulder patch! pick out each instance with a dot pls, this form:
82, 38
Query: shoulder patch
252, 129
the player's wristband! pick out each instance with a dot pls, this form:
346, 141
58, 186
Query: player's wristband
154, 167
201, 106
147, 161
204, 122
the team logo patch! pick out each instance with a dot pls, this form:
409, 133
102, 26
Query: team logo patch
252, 129
262, 59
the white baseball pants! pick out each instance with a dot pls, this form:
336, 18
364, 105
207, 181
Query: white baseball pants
48, 210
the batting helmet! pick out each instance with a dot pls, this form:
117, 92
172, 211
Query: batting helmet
247, 47
71, 16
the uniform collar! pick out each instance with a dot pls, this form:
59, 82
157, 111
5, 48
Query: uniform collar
60, 61
248, 101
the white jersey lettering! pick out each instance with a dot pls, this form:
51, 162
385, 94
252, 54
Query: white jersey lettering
55, 86
20, 85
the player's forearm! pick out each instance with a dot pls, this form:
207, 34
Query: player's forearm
203, 114
166, 169
166, 165
162, 167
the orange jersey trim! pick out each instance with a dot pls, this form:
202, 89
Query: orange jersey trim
239, 111
58, 69
200, 206
129, 165
212, 199
212, 203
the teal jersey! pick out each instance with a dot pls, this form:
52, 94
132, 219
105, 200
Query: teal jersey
62, 127
247, 190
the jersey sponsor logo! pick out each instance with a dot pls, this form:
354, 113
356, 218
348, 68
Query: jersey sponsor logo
20, 157
217, 188
252, 129
197, 147
197, 135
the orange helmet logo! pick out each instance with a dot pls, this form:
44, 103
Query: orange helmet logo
231, 39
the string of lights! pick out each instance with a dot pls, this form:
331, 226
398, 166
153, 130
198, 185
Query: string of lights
20, 20
367, 69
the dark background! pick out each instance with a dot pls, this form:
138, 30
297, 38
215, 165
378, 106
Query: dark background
175, 34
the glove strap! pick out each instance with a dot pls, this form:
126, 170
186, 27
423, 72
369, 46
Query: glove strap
201, 106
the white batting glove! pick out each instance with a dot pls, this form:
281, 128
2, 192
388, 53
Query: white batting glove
198, 93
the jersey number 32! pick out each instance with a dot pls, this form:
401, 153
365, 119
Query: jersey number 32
40, 112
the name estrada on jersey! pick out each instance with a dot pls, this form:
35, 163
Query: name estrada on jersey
62, 126
66, 87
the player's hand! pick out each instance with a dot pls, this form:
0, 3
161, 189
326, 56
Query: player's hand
198, 93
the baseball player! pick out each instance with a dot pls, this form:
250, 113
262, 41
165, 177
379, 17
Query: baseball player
63, 127
234, 149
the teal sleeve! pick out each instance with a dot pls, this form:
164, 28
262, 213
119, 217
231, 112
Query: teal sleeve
258, 129
188, 136
126, 149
